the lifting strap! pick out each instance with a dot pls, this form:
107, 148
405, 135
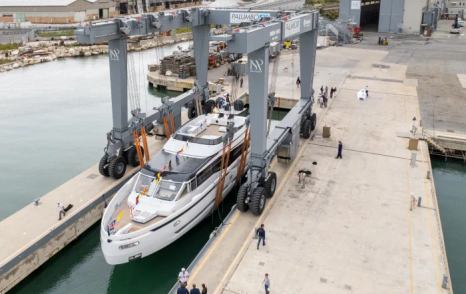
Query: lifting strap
138, 148
144, 143
244, 152
223, 173
165, 125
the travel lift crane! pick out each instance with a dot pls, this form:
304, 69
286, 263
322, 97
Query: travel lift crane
251, 40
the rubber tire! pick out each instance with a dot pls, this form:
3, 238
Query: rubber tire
313, 121
306, 129
132, 156
117, 167
103, 165
258, 201
209, 106
270, 185
191, 111
238, 105
241, 198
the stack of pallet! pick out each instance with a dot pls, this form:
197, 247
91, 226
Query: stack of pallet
181, 64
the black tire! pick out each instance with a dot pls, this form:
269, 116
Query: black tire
313, 121
241, 198
258, 200
117, 167
103, 165
132, 156
238, 105
209, 106
306, 129
270, 185
191, 111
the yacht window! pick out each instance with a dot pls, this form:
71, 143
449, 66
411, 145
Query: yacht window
167, 190
143, 183
204, 175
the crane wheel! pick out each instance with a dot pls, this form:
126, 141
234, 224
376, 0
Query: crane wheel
132, 156
270, 185
306, 129
258, 199
241, 198
209, 106
117, 167
238, 105
103, 165
191, 111
313, 121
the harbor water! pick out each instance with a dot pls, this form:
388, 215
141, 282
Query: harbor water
53, 121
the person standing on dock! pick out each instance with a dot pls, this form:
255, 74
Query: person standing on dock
183, 277
261, 236
194, 290
266, 283
61, 211
204, 289
298, 82
340, 150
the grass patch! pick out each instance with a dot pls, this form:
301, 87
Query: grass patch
51, 34
3, 61
11, 46
183, 30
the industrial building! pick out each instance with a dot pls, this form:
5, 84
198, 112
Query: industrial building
55, 11
454, 8
391, 16
140, 6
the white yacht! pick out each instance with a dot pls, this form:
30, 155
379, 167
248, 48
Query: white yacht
175, 190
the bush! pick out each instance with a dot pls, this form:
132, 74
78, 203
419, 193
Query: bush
11, 46
51, 34
3, 61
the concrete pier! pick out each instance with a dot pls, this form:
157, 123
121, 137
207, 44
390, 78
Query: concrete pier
354, 227
34, 234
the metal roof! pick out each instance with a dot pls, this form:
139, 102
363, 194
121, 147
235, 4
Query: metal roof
30, 3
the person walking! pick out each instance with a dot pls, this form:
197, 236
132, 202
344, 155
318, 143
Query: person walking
325, 100
194, 290
340, 150
241, 82
183, 277
182, 290
298, 82
204, 289
261, 236
266, 283
367, 91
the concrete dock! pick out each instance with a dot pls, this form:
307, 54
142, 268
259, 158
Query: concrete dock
351, 228
32, 235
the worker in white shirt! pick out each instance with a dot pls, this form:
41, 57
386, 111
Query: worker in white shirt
183, 277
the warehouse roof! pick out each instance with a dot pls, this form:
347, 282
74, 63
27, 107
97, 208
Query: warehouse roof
29, 3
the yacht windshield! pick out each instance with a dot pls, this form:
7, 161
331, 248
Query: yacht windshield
161, 189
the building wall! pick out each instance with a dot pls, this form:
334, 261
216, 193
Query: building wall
413, 16
77, 11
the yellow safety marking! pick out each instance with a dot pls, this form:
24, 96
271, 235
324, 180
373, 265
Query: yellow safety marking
119, 216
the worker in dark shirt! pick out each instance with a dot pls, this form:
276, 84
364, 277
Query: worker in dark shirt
261, 236
182, 290
204, 289
194, 290
340, 150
